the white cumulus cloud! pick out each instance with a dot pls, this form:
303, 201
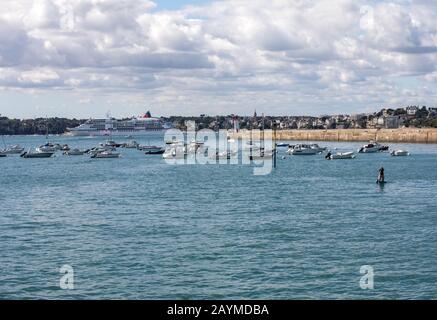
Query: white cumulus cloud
278, 56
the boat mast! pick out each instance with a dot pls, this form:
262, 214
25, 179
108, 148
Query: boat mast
47, 128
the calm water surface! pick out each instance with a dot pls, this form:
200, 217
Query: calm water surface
137, 228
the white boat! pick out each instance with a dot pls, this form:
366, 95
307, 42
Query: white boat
36, 154
111, 143
282, 145
319, 149
342, 155
48, 147
175, 152
372, 147
15, 149
131, 145
151, 149
141, 125
400, 153
105, 155
302, 149
99, 149
74, 152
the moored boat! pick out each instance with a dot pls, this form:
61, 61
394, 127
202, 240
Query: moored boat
151, 149
175, 152
131, 145
316, 147
36, 154
48, 147
400, 153
15, 149
302, 149
111, 143
372, 147
161, 151
105, 155
282, 145
342, 155
74, 152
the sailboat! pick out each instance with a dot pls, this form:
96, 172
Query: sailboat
48, 147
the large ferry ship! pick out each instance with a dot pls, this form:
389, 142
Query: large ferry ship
140, 125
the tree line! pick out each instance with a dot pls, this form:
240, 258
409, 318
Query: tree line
37, 126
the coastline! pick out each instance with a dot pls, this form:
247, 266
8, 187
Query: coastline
404, 135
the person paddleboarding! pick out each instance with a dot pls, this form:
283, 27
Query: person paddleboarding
381, 178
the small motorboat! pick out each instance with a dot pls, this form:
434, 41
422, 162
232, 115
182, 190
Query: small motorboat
373, 147
96, 150
319, 149
303, 149
74, 152
172, 142
48, 147
15, 149
152, 150
149, 148
2, 155
131, 145
342, 155
174, 152
105, 155
111, 143
400, 153
282, 145
155, 152
36, 154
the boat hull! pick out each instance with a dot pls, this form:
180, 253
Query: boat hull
74, 153
400, 153
10, 152
340, 156
307, 152
154, 151
37, 155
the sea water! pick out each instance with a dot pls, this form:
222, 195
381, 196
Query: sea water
138, 228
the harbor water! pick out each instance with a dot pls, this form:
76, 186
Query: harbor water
138, 228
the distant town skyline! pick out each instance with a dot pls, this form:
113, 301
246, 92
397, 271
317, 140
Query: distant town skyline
81, 59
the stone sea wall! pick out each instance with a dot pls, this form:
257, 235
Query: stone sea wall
406, 135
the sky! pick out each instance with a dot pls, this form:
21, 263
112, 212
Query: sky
85, 58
